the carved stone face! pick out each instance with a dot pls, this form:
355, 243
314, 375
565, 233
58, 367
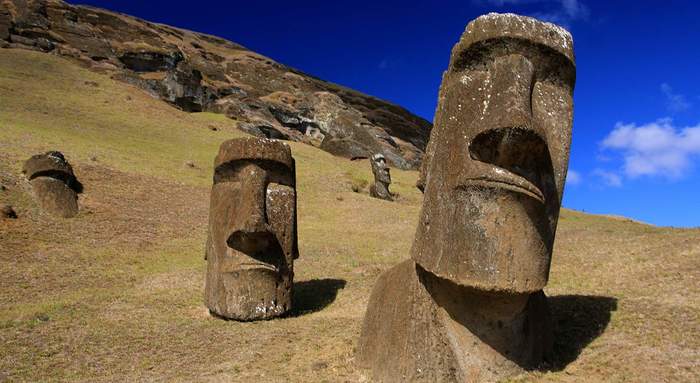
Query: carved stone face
498, 156
252, 230
380, 169
53, 183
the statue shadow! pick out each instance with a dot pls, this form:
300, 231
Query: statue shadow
314, 295
577, 320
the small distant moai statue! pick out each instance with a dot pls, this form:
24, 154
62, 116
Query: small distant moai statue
468, 306
53, 183
382, 178
252, 238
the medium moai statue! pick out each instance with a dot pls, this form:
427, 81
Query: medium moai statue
53, 183
468, 306
252, 238
382, 178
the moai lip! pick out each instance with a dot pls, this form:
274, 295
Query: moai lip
468, 306
382, 178
252, 235
54, 184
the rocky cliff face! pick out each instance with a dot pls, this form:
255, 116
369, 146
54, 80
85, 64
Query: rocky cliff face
198, 72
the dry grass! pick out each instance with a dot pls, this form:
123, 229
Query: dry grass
115, 294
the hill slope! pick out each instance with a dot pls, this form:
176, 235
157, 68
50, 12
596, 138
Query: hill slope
115, 294
198, 72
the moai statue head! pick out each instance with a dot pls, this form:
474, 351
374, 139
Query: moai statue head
252, 239
382, 178
498, 156
54, 184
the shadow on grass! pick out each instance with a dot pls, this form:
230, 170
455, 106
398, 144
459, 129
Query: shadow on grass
578, 320
314, 295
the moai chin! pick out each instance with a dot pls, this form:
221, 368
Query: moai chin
468, 306
382, 178
53, 183
252, 238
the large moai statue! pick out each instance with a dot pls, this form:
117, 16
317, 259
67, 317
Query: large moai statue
382, 178
53, 183
468, 306
252, 239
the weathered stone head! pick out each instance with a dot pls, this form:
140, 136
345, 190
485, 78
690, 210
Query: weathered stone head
382, 178
54, 184
498, 155
252, 239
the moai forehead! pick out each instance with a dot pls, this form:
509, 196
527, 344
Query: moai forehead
496, 162
48, 164
498, 26
253, 148
377, 157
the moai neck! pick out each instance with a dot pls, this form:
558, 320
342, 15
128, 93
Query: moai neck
491, 334
382, 188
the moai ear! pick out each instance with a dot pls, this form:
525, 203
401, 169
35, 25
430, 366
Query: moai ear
423, 171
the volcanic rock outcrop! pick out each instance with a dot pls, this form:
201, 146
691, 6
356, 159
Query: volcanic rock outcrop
468, 306
53, 183
252, 240
382, 178
198, 72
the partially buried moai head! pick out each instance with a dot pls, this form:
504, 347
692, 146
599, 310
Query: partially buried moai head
380, 169
252, 230
382, 178
53, 183
498, 156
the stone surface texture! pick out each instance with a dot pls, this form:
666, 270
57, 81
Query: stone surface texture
53, 183
252, 238
382, 178
198, 72
468, 306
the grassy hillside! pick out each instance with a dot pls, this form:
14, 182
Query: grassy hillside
116, 293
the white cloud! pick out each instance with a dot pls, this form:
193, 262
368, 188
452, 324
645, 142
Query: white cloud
674, 102
573, 178
574, 9
609, 178
655, 149
561, 12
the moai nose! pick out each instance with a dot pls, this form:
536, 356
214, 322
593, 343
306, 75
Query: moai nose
508, 100
250, 231
510, 139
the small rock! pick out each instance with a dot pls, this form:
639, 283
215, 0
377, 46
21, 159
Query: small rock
92, 83
339, 198
93, 158
213, 128
190, 164
319, 366
6, 211
2, 188
128, 98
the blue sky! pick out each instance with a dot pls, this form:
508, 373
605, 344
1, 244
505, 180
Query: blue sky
636, 140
